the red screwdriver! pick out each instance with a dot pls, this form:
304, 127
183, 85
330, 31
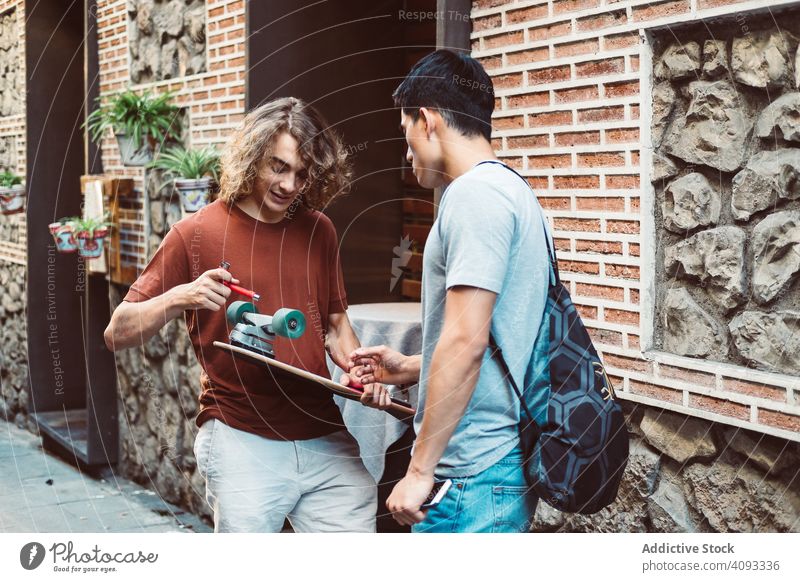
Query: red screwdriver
235, 288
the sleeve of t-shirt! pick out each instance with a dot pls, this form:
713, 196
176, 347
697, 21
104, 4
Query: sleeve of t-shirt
477, 227
337, 302
168, 268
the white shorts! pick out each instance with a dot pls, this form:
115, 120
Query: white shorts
254, 483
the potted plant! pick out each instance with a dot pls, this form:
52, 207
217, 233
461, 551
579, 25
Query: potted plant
63, 232
195, 172
91, 234
140, 123
12, 193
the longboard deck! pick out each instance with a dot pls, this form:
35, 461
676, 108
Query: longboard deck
398, 409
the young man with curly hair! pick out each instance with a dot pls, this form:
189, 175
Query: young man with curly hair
267, 450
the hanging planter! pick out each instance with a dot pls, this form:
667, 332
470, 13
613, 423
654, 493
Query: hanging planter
91, 234
195, 173
63, 233
133, 154
139, 122
12, 193
194, 193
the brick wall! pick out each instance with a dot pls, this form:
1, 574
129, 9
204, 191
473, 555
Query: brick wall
213, 100
572, 93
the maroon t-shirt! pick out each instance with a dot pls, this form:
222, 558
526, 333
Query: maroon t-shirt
293, 263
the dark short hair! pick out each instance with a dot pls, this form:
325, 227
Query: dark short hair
456, 85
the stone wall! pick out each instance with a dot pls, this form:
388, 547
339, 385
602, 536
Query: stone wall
726, 127
689, 475
12, 98
14, 384
167, 40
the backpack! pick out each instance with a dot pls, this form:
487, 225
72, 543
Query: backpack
576, 453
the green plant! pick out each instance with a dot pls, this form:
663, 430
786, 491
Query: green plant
191, 164
136, 116
9, 179
88, 224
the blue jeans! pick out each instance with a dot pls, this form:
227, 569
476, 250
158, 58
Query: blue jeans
496, 500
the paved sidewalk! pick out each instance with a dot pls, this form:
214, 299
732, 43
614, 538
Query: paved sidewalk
39, 492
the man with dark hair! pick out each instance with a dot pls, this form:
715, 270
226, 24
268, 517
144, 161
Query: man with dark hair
485, 268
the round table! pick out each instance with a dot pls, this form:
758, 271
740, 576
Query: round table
398, 326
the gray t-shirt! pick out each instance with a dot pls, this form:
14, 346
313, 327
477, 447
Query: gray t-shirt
489, 234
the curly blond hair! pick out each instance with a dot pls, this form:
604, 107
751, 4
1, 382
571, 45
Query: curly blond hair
321, 150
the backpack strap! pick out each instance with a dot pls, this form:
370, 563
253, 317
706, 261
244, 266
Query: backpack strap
551, 252
497, 353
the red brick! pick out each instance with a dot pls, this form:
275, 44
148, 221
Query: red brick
600, 291
656, 392
635, 159
481, 4
581, 47
579, 267
605, 204
635, 296
622, 135
624, 40
526, 14
561, 6
598, 68
604, 20
602, 159
586, 311
633, 249
529, 100
549, 31
514, 162
602, 114
608, 337
622, 271
552, 161
623, 363
703, 4
577, 94
507, 81
622, 182
719, 406
505, 39
576, 182
536, 55
754, 389
537, 182
528, 141
562, 244
634, 64
516, 122
782, 420
551, 203
689, 376
549, 75
489, 63
660, 10
486, 22
624, 89
550, 118
577, 224
622, 317
599, 247
577, 138
633, 341
622, 226
635, 205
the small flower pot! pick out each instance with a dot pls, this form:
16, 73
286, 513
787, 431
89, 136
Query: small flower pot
12, 199
194, 193
131, 154
64, 237
90, 246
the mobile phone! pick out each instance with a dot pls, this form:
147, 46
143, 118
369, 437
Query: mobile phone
437, 493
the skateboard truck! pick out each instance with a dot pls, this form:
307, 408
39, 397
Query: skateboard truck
236, 288
257, 331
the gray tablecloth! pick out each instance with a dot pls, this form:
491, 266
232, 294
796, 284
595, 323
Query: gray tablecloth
397, 325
